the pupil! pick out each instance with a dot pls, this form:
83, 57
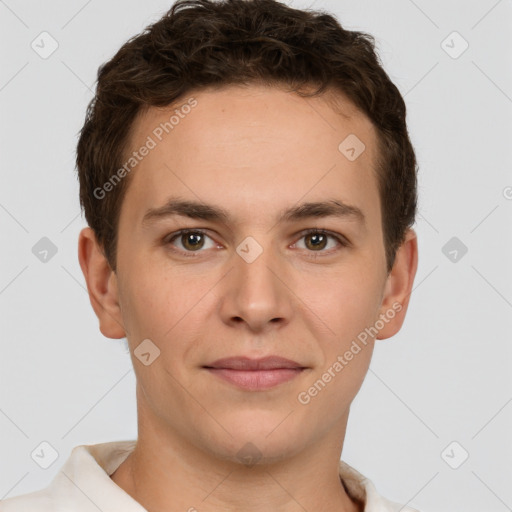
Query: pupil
190, 240
317, 237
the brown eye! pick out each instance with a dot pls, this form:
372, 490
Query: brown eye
317, 241
190, 241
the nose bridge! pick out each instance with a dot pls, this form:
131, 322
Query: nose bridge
256, 293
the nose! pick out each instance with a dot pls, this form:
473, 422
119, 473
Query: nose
255, 293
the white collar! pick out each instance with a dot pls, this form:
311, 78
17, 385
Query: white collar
84, 485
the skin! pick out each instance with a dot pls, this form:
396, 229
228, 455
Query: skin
263, 150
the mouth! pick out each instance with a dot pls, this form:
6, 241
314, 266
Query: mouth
255, 374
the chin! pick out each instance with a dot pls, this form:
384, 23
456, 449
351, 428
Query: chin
258, 438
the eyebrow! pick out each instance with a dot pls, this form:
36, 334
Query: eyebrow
203, 211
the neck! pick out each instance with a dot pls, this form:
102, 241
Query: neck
166, 472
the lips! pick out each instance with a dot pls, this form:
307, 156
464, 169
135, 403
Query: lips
247, 364
255, 374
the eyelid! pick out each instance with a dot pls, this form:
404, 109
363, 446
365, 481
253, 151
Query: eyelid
343, 242
176, 234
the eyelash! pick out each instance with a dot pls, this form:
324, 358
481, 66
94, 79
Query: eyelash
313, 231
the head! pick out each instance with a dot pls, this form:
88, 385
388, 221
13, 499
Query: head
242, 111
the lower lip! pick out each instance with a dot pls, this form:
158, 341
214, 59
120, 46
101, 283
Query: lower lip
256, 379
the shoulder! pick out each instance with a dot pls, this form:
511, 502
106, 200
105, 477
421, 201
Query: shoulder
83, 483
363, 489
39, 501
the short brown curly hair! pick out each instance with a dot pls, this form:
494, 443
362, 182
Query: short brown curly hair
205, 43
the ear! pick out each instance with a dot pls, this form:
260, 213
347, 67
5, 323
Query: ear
398, 286
101, 285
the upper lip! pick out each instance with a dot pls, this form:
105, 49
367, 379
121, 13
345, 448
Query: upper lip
246, 363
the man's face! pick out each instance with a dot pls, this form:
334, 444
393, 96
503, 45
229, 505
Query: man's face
251, 285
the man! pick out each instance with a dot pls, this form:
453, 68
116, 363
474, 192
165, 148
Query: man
250, 187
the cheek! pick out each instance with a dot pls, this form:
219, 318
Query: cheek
349, 310
159, 305
346, 302
147, 304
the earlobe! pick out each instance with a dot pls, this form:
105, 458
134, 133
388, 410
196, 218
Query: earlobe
101, 285
399, 287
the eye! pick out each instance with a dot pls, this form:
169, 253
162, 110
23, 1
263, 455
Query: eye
318, 239
191, 240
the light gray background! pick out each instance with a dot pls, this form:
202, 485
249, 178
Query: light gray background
445, 377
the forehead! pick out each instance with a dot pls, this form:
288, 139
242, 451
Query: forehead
254, 149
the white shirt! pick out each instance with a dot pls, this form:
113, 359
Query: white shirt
84, 485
